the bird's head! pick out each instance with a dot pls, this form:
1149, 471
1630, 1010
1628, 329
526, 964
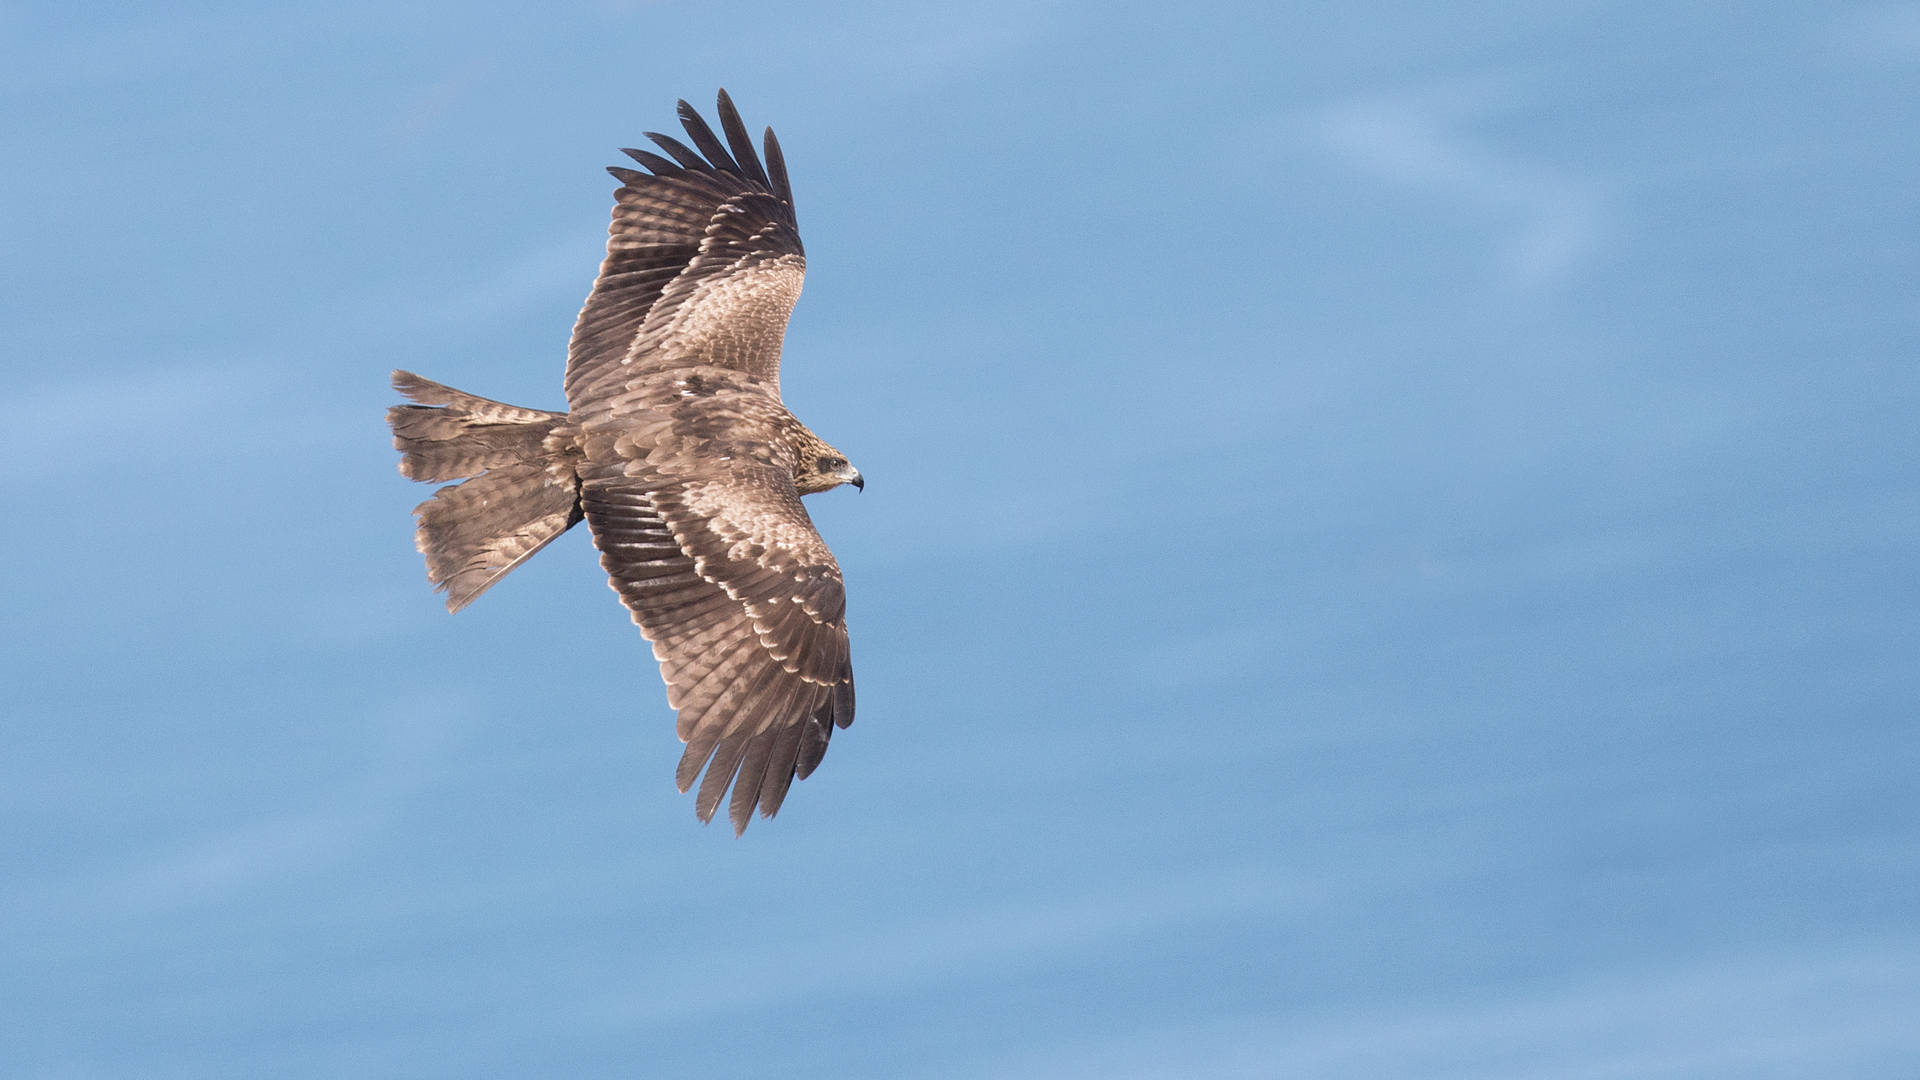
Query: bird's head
826, 468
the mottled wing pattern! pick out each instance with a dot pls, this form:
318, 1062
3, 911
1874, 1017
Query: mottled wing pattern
744, 604
673, 379
703, 264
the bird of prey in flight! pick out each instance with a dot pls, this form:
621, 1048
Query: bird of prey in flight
676, 451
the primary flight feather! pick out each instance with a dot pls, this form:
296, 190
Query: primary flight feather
678, 454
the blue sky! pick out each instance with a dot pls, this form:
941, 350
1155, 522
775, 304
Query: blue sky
1388, 552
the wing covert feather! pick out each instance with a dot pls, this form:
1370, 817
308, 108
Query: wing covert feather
745, 607
703, 264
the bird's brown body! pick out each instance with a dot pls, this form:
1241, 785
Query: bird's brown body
677, 452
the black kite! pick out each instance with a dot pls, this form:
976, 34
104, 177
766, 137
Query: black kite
677, 452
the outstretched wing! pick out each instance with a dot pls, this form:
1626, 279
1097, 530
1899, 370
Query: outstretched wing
745, 606
703, 264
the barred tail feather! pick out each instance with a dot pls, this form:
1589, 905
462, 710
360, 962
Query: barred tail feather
519, 492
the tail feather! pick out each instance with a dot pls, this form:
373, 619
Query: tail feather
452, 436
483, 410
520, 491
474, 533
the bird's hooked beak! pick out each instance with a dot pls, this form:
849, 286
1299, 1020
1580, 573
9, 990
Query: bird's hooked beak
852, 476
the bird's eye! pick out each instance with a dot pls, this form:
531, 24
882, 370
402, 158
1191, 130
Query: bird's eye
828, 464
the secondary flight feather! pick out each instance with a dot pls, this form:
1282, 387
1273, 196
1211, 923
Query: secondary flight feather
677, 452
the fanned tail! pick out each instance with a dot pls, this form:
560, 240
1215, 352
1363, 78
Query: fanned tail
520, 490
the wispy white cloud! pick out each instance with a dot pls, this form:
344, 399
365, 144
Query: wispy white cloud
438, 98
1824, 1014
457, 305
926, 43
869, 960
562, 265
54, 430
1887, 33
1553, 215
410, 742
232, 861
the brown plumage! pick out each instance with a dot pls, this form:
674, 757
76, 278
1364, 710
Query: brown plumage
678, 454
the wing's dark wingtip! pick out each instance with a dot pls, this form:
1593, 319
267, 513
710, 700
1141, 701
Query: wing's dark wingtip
660, 166
739, 141
680, 151
704, 138
708, 154
777, 170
